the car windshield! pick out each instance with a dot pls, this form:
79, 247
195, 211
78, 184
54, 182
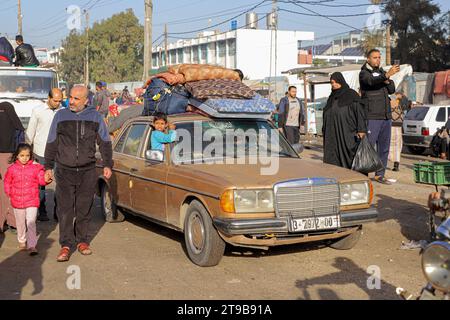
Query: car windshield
417, 114
26, 84
211, 140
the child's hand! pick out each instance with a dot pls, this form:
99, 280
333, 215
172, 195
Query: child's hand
172, 126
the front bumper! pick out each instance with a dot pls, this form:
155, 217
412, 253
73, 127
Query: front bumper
281, 225
417, 141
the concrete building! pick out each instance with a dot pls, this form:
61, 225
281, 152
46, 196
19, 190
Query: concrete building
250, 50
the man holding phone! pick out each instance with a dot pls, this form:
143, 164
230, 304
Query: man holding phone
376, 86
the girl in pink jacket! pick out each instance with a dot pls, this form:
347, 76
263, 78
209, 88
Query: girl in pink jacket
22, 181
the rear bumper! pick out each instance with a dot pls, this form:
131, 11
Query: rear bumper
281, 225
417, 141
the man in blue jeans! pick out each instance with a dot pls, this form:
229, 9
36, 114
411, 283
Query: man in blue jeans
376, 86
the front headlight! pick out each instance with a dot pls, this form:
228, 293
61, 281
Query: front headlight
355, 193
253, 201
436, 265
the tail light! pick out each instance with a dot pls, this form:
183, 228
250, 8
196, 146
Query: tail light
425, 131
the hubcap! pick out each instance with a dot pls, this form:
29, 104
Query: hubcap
196, 233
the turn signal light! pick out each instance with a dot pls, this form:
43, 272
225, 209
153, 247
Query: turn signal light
227, 201
371, 194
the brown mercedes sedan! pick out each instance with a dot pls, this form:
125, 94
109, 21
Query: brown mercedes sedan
235, 181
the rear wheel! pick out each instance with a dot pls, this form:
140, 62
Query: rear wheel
109, 209
204, 245
348, 242
417, 150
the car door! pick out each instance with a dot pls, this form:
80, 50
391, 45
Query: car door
126, 159
148, 193
440, 120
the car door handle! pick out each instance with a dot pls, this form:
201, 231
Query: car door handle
132, 170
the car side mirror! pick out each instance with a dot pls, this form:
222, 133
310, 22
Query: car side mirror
299, 148
154, 155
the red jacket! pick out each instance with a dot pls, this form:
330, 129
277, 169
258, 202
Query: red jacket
22, 184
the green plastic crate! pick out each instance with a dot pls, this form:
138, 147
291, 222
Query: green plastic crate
437, 173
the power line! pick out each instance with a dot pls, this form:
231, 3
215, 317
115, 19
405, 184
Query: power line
323, 16
221, 23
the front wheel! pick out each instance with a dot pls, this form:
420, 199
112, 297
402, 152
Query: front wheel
348, 242
204, 245
109, 209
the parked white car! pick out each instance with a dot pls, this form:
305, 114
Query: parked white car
421, 124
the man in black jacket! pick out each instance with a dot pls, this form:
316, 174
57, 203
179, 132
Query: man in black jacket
376, 86
25, 56
291, 116
72, 146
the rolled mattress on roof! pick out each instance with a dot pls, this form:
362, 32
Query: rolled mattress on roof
255, 108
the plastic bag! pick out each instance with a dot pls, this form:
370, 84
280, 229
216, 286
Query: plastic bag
366, 159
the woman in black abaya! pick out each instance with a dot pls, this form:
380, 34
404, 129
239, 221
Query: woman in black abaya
343, 123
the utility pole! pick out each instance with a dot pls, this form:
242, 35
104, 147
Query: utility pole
388, 43
19, 16
86, 64
147, 39
166, 45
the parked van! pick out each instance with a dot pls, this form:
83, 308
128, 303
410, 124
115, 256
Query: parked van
421, 124
26, 88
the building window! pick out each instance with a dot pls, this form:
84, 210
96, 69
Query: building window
195, 54
222, 49
180, 56
173, 57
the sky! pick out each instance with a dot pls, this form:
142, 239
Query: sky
45, 21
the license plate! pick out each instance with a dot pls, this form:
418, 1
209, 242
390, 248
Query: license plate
315, 224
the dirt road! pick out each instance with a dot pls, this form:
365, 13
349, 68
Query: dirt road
139, 260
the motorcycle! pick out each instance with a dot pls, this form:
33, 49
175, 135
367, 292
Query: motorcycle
436, 258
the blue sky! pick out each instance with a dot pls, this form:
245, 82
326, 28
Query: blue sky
44, 21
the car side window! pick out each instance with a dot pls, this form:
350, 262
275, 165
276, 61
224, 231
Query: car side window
134, 139
121, 142
441, 115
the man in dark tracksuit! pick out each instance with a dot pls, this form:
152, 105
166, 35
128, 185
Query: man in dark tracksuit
376, 86
71, 146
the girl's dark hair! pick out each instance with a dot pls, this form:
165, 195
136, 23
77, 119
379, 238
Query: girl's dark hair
21, 147
160, 116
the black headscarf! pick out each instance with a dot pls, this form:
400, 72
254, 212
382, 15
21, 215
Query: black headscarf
345, 95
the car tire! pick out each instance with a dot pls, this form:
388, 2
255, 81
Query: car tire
204, 245
109, 208
417, 150
348, 242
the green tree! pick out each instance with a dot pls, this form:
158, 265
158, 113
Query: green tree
115, 51
422, 39
72, 58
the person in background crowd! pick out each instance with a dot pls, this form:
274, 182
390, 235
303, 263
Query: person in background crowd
76, 131
343, 123
6, 52
126, 97
291, 116
9, 140
37, 135
376, 86
65, 101
25, 56
91, 96
399, 107
101, 99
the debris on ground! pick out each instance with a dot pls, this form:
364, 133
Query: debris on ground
412, 245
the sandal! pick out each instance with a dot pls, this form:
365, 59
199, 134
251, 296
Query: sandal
23, 246
84, 249
64, 255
